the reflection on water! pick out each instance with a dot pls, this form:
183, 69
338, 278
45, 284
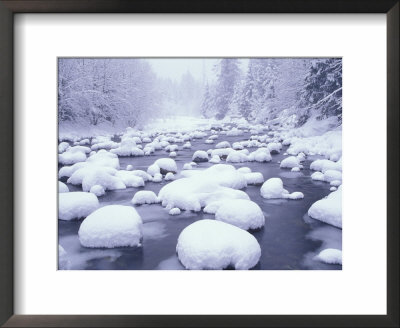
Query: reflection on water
289, 241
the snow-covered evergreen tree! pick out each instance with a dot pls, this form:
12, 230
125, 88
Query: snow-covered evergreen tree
207, 105
228, 78
322, 93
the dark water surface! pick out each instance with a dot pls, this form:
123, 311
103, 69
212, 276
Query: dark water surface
289, 240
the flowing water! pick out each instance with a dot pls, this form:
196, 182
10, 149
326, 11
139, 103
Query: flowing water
289, 239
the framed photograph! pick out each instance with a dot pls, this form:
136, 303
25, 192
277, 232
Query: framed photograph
213, 164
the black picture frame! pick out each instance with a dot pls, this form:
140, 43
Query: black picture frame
10, 7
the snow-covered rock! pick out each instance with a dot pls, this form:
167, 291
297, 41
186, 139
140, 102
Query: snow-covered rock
210, 244
318, 176
97, 190
330, 256
223, 144
104, 158
332, 175
172, 154
128, 147
63, 146
198, 188
273, 188
200, 156
260, 155
290, 162
111, 226
242, 213
215, 159
174, 211
323, 165
236, 157
62, 187
70, 157
145, 197
274, 147
328, 209
76, 205
295, 169
129, 167
102, 176
254, 178
157, 177
129, 178
169, 176
166, 165
153, 169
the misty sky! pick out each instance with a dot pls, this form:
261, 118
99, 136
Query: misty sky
174, 68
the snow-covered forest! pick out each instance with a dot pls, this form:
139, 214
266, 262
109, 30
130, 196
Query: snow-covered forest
214, 163
128, 92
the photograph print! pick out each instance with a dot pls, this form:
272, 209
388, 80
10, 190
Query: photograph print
199, 163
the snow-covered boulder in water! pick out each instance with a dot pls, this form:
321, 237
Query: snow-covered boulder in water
145, 197
236, 157
111, 226
273, 188
174, 211
200, 156
242, 213
166, 165
76, 205
290, 162
254, 178
215, 245
329, 209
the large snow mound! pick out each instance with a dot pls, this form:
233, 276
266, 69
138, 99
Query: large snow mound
290, 162
198, 188
76, 205
273, 188
329, 209
111, 226
242, 213
215, 245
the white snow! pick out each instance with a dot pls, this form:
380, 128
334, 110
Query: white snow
254, 178
200, 156
325, 164
174, 211
111, 226
210, 244
215, 159
330, 256
223, 144
260, 155
128, 148
145, 197
63, 146
290, 162
295, 169
129, 167
172, 154
236, 157
274, 147
169, 176
129, 178
332, 175
273, 188
76, 205
70, 157
97, 190
153, 169
318, 176
62, 187
157, 177
198, 188
242, 213
329, 209
166, 165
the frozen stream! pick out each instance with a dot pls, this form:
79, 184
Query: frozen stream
289, 240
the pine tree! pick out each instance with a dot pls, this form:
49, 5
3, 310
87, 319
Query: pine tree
322, 94
227, 82
207, 105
